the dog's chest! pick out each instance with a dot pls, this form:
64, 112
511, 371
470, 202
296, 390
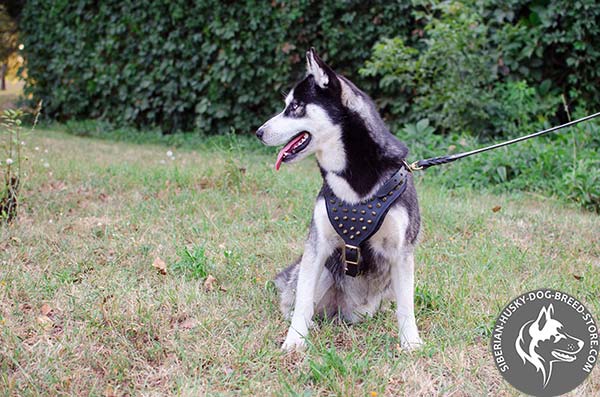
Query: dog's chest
385, 243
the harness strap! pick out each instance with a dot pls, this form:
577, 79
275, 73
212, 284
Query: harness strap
356, 223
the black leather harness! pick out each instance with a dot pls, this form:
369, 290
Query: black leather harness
356, 223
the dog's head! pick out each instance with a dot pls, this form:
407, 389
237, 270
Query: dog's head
543, 342
313, 110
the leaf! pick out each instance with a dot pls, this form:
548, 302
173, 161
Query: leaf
188, 323
422, 125
496, 208
160, 265
45, 321
287, 47
210, 283
45, 309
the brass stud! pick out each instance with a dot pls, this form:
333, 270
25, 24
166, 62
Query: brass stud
334, 209
345, 231
363, 212
364, 228
351, 228
345, 209
373, 213
354, 210
352, 237
361, 219
345, 217
353, 219
370, 206
341, 225
369, 221
358, 233
378, 205
332, 201
336, 218
390, 193
384, 199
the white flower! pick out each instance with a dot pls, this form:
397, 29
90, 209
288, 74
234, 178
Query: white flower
9, 161
22, 143
46, 165
37, 148
169, 154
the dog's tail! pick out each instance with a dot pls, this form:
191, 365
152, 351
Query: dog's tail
286, 282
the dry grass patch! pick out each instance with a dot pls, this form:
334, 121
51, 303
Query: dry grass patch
83, 311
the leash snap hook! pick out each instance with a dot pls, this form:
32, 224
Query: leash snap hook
412, 166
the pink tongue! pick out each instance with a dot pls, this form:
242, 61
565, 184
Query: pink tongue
285, 149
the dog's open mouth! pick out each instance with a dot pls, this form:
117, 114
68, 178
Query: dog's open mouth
561, 355
292, 148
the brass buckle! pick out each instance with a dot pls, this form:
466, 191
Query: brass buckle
352, 247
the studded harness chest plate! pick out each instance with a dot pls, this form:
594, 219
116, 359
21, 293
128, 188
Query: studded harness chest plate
356, 223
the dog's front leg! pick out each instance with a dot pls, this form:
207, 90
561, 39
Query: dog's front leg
316, 251
403, 284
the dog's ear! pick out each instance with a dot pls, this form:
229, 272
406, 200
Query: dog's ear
324, 76
544, 316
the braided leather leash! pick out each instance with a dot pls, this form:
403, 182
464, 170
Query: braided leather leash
426, 163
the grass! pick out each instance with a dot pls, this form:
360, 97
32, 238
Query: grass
83, 311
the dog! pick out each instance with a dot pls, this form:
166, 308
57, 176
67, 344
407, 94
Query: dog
543, 342
326, 114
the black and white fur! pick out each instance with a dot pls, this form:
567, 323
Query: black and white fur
356, 154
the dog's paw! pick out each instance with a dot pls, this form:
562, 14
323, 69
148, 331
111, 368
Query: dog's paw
412, 343
293, 342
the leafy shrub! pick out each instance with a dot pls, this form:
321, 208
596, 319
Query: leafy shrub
452, 77
181, 65
553, 44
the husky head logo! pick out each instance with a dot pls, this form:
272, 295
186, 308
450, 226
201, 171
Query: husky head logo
314, 114
543, 342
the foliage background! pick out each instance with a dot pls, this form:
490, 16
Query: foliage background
464, 71
182, 65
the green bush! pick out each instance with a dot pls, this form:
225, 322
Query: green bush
181, 65
489, 68
452, 76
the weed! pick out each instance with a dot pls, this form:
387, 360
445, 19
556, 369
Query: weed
192, 263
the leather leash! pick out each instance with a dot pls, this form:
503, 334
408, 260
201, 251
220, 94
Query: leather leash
430, 162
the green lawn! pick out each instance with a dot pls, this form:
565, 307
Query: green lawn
83, 310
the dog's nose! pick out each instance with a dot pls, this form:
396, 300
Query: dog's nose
259, 133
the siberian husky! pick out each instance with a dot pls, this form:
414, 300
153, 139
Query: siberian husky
329, 116
543, 342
